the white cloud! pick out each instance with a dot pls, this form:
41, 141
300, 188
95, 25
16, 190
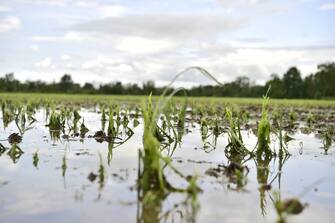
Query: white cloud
68, 36
70, 66
65, 57
46, 38
4, 8
35, 48
328, 6
45, 63
111, 10
242, 2
110, 69
9, 23
49, 2
139, 45
74, 36
165, 25
111, 42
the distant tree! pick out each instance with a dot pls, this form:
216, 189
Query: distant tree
117, 88
88, 88
310, 90
325, 80
317, 85
10, 84
277, 87
293, 84
133, 89
66, 83
9, 77
149, 87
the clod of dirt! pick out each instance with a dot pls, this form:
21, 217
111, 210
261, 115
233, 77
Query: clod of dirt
99, 134
293, 206
92, 176
14, 138
266, 187
76, 134
229, 171
214, 172
232, 168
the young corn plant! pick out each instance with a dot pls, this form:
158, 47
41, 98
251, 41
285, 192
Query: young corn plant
56, 124
152, 176
24, 120
235, 147
7, 114
277, 129
152, 181
263, 134
83, 129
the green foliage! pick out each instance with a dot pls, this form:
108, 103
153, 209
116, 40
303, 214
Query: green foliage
263, 133
235, 147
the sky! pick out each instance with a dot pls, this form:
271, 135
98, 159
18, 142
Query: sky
102, 41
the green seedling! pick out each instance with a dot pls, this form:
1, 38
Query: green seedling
263, 133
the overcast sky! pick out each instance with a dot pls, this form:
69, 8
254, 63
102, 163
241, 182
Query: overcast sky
135, 41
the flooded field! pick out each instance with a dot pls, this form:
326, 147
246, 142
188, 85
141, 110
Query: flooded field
171, 162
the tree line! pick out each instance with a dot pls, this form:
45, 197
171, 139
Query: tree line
321, 84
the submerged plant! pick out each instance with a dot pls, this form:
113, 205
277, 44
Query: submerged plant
21, 121
151, 177
277, 129
64, 165
326, 140
235, 147
83, 129
8, 114
101, 175
15, 152
35, 159
56, 124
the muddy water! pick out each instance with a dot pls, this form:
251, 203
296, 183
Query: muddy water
49, 193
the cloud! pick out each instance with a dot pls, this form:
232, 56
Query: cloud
245, 3
4, 8
165, 25
224, 62
9, 23
45, 63
61, 3
68, 36
65, 57
111, 10
107, 64
101, 41
34, 48
139, 45
327, 6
